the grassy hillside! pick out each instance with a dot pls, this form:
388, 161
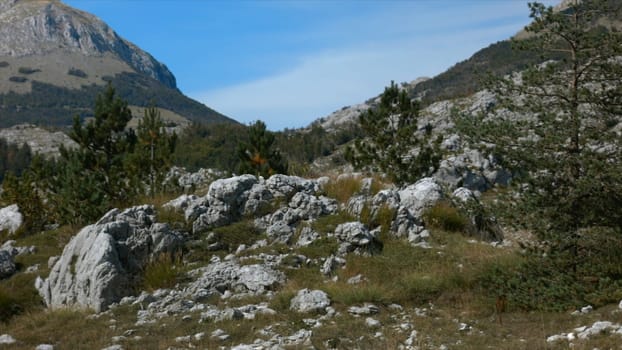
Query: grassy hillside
467, 77
52, 105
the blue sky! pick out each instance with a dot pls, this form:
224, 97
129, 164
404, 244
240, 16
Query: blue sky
291, 62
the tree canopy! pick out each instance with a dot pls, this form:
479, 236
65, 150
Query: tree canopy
393, 142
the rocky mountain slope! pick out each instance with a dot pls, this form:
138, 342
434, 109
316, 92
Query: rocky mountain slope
277, 263
54, 59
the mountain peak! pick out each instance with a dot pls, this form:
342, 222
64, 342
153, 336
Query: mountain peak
38, 27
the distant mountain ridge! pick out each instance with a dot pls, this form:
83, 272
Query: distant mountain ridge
41, 27
55, 59
466, 78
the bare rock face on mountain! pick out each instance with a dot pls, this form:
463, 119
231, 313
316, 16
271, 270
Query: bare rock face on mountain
41, 141
39, 27
55, 60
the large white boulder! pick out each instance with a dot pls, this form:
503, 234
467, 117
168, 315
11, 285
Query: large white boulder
420, 196
102, 263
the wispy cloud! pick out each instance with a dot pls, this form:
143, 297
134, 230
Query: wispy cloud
327, 80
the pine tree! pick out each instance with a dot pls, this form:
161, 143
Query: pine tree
258, 156
94, 176
394, 144
554, 126
29, 193
153, 153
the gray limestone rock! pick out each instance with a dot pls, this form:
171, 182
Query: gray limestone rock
230, 276
7, 264
41, 141
310, 301
225, 199
309, 207
103, 262
420, 195
286, 186
7, 339
355, 237
331, 264
258, 200
307, 236
280, 232
35, 28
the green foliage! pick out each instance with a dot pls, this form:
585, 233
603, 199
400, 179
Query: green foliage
77, 73
303, 147
320, 248
152, 156
29, 196
241, 232
563, 150
93, 177
18, 79
13, 158
257, 157
343, 189
27, 70
18, 295
541, 279
393, 144
446, 217
329, 223
211, 145
163, 272
54, 105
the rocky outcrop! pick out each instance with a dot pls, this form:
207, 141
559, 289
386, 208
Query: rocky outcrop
355, 237
104, 261
420, 196
230, 276
228, 200
10, 218
473, 170
30, 28
192, 181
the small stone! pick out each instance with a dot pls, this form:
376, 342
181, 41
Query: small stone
199, 336
310, 301
113, 347
183, 339
405, 326
186, 318
396, 307
33, 268
356, 279
221, 335
44, 347
6, 339
367, 309
463, 327
587, 309
372, 323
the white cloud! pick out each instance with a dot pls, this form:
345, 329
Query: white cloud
326, 81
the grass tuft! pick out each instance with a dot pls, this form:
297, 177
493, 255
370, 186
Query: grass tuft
446, 217
163, 272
